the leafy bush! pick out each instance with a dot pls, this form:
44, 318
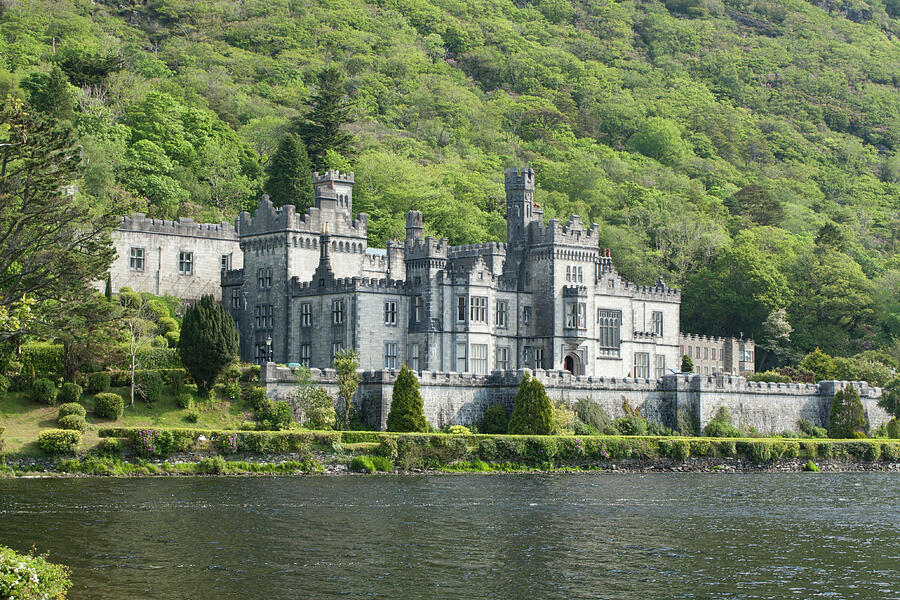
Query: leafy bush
150, 387
387, 447
70, 392
59, 441
232, 391
847, 416
459, 430
890, 452
592, 414
30, 577
184, 401
256, 397
70, 408
721, 426
43, 391
769, 377
192, 416
97, 383
495, 419
42, 358
274, 415
382, 463
631, 425
110, 446
108, 405
250, 373
212, 465
5, 384
893, 428
72, 422
533, 413
700, 447
362, 464
676, 449
318, 408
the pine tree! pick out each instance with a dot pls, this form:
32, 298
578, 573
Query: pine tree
323, 129
847, 417
407, 409
533, 413
208, 343
687, 365
289, 174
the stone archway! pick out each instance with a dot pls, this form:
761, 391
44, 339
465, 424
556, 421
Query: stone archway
572, 363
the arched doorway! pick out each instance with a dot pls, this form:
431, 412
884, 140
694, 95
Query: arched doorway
572, 364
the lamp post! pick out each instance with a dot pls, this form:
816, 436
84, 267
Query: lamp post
269, 348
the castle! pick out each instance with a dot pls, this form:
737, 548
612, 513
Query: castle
302, 287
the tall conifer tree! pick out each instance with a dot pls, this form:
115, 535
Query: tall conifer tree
289, 174
533, 414
208, 342
407, 408
323, 129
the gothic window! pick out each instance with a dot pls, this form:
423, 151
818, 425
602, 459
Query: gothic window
461, 357
712, 353
262, 353
305, 354
461, 309
660, 365
478, 313
413, 356
642, 365
568, 273
580, 273
502, 358
390, 313
656, 319
609, 323
226, 262
576, 317
538, 358
390, 355
263, 314
264, 277
236, 298
306, 315
502, 313
706, 353
478, 361
335, 348
526, 315
417, 309
185, 263
136, 259
337, 312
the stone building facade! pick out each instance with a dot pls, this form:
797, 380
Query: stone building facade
718, 355
549, 298
181, 258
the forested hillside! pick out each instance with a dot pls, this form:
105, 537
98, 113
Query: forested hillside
747, 151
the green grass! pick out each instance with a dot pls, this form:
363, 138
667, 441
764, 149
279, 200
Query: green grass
24, 418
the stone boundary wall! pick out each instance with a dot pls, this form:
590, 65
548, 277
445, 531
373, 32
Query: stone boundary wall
462, 398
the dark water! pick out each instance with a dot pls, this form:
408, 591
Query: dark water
468, 536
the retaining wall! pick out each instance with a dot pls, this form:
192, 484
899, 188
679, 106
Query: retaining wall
462, 398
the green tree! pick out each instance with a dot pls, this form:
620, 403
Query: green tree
890, 397
289, 174
51, 94
407, 409
313, 401
323, 128
208, 342
496, 420
533, 413
345, 363
660, 138
53, 244
820, 364
847, 417
756, 203
687, 364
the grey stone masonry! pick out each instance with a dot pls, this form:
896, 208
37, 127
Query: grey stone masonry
181, 258
548, 298
459, 398
718, 355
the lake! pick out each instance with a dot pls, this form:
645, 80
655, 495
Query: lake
598, 535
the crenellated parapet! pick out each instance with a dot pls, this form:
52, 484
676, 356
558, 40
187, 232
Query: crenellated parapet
269, 219
573, 233
660, 291
341, 285
426, 248
184, 226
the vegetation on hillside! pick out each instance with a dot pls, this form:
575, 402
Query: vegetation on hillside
748, 152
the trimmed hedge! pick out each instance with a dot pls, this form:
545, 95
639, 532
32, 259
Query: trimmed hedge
43, 357
69, 392
59, 441
98, 383
70, 408
30, 577
109, 405
72, 422
43, 391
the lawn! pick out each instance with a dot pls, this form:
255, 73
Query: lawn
24, 419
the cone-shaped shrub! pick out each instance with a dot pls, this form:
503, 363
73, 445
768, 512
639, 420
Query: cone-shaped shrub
208, 342
533, 414
847, 415
407, 409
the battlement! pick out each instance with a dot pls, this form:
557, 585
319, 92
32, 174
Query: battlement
427, 247
477, 249
346, 285
184, 226
660, 291
693, 338
519, 179
572, 233
330, 217
233, 277
332, 175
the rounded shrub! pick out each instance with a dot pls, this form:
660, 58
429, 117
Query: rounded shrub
893, 428
680, 449
43, 391
212, 465
59, 441
150, 387
109, 446
495, 419
184, 401
890, 452
70, 392
631, 425
72, 422
70, 408
387, 446
97, 383
109, 405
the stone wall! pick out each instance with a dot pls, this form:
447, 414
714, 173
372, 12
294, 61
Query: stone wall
462, 398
